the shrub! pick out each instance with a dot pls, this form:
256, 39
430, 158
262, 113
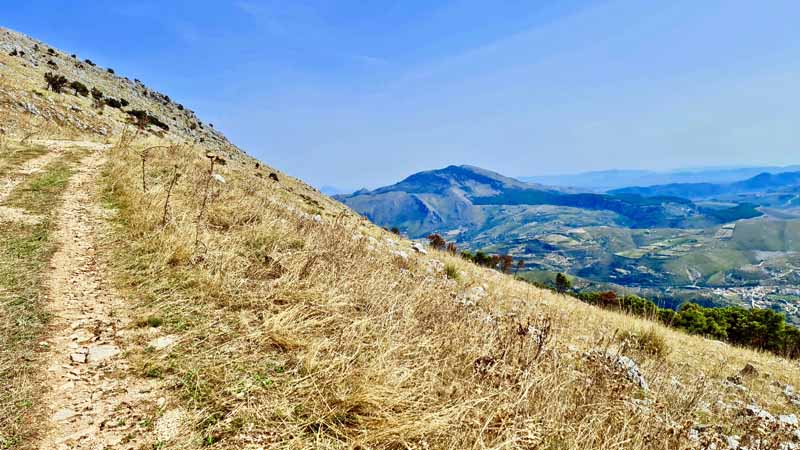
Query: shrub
89, 62
506, 262
110, 70
79, 88
451, 271
13, 53
436, 241
395, 230
142, 119
157, 122
97, 95
151, 321
123, 102
50, 51
114, 103
52, 64
482, 259
55, 82
562, 283
452, 248
649, 342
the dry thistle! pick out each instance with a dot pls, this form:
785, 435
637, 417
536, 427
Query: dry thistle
173, 180
143, 155
214, 158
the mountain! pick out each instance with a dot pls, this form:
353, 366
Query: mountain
159, 288
466, 197
430, 200
763, 182
336, 190
601, 181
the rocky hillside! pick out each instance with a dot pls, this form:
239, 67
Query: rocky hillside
27, 108
161, 290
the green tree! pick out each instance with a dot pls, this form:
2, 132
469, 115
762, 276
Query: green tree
562, 283
55, 82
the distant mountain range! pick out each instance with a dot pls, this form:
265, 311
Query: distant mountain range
761, 183
711, 242
469, 199
601, 181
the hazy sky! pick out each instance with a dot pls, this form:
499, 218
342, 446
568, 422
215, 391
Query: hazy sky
363, 93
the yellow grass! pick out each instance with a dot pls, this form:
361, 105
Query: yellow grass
295, 331
303, 332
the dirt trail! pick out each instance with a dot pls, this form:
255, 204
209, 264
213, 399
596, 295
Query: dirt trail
27, 169
93, 402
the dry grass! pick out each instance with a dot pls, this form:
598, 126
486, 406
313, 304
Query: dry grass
301, 332
296, 332
13, 155
25, 250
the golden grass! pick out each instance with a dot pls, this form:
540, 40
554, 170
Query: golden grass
303, 332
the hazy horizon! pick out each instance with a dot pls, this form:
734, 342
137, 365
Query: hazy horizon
351, 94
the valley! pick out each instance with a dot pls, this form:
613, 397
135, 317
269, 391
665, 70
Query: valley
733, 243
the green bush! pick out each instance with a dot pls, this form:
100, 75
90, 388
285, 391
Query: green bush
451, 271
114, 103
562, 283
79, 88
55, 82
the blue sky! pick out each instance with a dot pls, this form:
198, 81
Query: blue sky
363, 93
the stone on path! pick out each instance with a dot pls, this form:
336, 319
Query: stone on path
102, 352
63, 414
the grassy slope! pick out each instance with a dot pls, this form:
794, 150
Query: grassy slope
302, 333
25, 250
310, 333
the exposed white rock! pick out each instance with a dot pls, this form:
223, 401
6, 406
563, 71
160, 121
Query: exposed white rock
419, 248
162, 342
789, 419
102, 352
401, 254
631, 370
473, 296
761, 413
732, 442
